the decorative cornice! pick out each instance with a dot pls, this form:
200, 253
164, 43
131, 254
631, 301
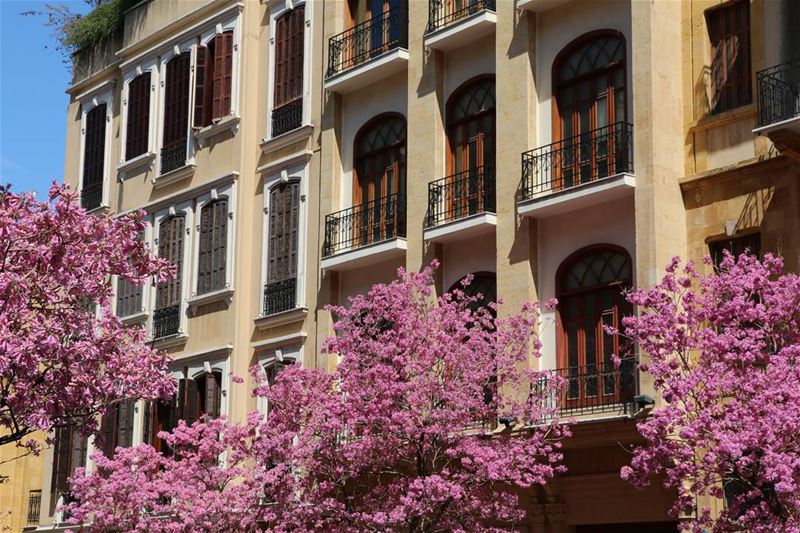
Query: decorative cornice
273, 167
298, 314
277, 342
737, 171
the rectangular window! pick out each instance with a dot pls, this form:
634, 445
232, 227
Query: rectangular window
138, 123
736, 246
69, 453
129, 298
280, 293
116, 428
213, 246
287, 113
94, 151
166, 316
176, 113
729, 32
213, 79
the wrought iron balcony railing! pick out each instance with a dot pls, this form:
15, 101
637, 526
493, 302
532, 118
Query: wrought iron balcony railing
370, 39
280, 296
461, 195
779, 93
287, 117
442, 13
166, 321
585, 158
369, 223
91, 196
173, 156
601, 387
34, 507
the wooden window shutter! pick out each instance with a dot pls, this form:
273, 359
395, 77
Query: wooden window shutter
192, 406
79, 449
94, 147
124, 436
176, 99
202, 87
107, 431
138, 123
289, 44
129, 298
213, 394
170, 247
213, 246
284, 217
729, 32
227, 82
222, 75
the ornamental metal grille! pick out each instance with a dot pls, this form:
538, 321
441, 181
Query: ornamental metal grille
461, 195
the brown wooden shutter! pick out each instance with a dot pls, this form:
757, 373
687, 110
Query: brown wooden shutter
176, 99
289, 41
124, 436
212, 246
138, 124
222, 75
94, 156
284, 217
170, 247
107, 431
201, 86
729, 32
227, 80
213, 394
129, 298
192, 406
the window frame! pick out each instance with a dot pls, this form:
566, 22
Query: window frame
185, 208
151, 66
228, 191
178, 49
88, 103
232, 24
297, 172
276, 11
141, 314
286, 354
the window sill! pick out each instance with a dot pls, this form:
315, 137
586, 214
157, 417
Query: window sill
285, 139
726, 117
136, 318
144, 160
100, 209
298, 314
171, 341
228, 123
220, 295
173, 176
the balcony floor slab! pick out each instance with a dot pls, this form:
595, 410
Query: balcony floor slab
463, 228
365, 255
462, 32
548, 203
368, 72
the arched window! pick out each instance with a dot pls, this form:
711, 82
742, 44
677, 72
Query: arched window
590, 285
589, 91
471, 126
483, 283
280, 293
380, 159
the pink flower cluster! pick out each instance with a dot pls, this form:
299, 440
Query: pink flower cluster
724, 352
64, 357
403, 436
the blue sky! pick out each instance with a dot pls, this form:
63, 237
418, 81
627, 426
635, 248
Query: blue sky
33, 105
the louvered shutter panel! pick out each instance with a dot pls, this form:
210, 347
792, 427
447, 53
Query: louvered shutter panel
138, 116
281, 52
176, 100
107, 430
219, 243
295, 61
223, 67
205, 248
227, 81
284, 220
192, 407
149, 420
124, 436
213, 394
170, 247
61, 455
289, 57
94, 156
129, 298
79, 448
201, 86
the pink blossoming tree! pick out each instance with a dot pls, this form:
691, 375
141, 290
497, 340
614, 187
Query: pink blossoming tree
64, 357
725, 355
403, 436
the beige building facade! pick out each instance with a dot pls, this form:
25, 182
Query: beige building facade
290, 154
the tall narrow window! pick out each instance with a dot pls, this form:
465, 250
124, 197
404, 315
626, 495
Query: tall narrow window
138, 123
94, 157
729, 31
590, 285
166, 317
287, 112
380, 179
176, 113
213, 79
213, 246
129, 298
116, 428
280, 294
69, 453
590, 112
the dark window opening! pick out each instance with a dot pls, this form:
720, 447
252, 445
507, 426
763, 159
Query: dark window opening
138, 122
213, 79
729, 32
212, 254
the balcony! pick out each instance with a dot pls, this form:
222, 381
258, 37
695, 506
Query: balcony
454, 23
368, 52
585, 170
599, 388
287, 117
461, 206
173, 156
365, 234
34, 507
166, 321
539, 6
92, 196
779, 106
280, 296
